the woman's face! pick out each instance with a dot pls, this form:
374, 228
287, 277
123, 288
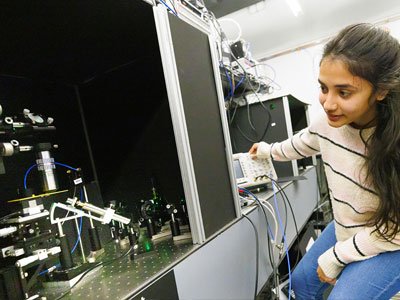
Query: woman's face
346, 99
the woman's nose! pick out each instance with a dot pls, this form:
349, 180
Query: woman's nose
329, 104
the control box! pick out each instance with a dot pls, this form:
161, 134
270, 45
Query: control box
252, 172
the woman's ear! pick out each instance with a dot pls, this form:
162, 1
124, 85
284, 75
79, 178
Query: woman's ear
381, 94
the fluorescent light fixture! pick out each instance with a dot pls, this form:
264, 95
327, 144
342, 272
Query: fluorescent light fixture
295, 7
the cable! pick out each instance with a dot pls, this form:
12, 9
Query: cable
169, 8
66, 166
275, 184
244, 135
249, 118
270, 249
51, 269
237, 25
223, 38
80, 228
34, 165
27, 173
232, 85
257, 254
286, 199
268, 207
79, 280
263, 134
234, 113
222, 35
273, 72
258, 98
284, 241
173, 5
269, 118
284, 203
290, 207
272, 212
79, 235
240, 81
231, 91
67, 214
2, 219
268, 113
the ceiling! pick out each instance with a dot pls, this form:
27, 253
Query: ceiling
271, 27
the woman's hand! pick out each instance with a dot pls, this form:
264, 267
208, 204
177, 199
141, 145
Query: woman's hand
324, 278
253, 150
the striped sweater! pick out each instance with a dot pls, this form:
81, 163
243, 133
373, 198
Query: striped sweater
353, 201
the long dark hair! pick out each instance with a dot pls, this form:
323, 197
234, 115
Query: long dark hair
374, 55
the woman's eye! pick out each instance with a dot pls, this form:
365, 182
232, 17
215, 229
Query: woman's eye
344, 94
324, 90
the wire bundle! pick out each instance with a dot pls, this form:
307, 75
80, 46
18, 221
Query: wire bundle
273, 243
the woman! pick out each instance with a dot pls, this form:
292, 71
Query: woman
359, 141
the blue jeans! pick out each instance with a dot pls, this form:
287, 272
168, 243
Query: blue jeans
375, 278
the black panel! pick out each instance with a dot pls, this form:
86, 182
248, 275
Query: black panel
131, 134
299, 121
250, 124
200, 100
132, 138
164, 288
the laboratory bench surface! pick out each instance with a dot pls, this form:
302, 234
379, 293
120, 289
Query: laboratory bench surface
121, 275
165, 269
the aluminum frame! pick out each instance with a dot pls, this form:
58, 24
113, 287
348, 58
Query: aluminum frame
178, 115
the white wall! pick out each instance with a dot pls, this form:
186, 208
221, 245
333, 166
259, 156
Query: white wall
297, 72
271, 27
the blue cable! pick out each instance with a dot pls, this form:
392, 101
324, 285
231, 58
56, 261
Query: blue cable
47, 270
81, 219
233, 88
64, 165
79, 235
34, 165
27, 173
68, 167
230, 94
80, 229
255, 197
240, 81
284, 238
169, 8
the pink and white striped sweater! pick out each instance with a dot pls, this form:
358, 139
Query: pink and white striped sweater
353, 201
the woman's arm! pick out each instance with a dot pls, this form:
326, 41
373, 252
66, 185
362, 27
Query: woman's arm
363, 245
301, 145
